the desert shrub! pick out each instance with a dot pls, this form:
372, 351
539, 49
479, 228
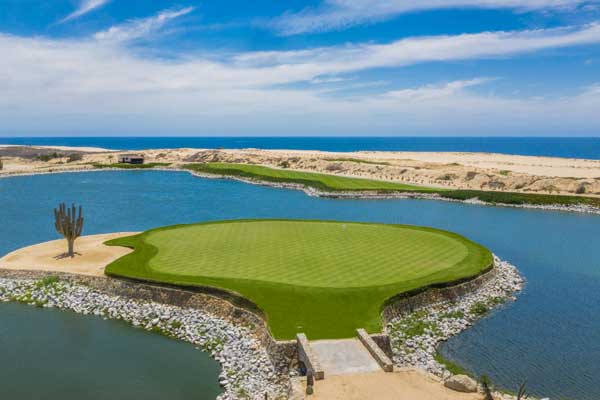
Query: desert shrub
49, 156
334, 167
479, 308
75, 157
486, 385
470, 175
581, 189
447, 177
496, 185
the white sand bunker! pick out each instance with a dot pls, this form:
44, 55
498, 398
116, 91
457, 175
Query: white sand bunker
91, 258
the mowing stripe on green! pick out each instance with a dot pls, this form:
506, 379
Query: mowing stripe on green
326, 278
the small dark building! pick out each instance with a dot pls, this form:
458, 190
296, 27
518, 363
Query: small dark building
131, 159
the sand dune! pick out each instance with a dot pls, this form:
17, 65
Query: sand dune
477, 171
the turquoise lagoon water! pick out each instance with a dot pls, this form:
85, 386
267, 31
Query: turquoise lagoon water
549, 337
52, 354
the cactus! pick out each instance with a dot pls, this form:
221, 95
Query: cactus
69, 223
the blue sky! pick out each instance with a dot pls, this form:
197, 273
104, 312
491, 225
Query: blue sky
333, 67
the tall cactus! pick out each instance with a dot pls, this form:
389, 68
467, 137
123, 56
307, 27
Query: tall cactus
69, 224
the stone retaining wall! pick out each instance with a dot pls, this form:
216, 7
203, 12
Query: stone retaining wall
216, 302
307, 356
378, 354
241, 311
408, 302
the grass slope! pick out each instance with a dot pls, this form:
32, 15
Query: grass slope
322, 278
324, 182
332, 183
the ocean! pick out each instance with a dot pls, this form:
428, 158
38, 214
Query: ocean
588, 148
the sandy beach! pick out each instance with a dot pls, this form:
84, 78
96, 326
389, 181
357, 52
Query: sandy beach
475, 171
91, 258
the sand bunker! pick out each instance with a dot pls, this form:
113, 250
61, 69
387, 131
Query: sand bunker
91, 259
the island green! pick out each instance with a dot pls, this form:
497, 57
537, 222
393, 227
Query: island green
323, 278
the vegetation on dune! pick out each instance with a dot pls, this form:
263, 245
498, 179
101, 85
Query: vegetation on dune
520, 198
75, 157
132, 166
334, 183
325, 182
304, 274
50, 156
358, 161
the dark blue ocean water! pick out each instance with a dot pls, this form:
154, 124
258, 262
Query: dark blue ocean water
557, 147
549, 337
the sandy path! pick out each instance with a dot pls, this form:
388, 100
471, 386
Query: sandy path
93, 255
403, 385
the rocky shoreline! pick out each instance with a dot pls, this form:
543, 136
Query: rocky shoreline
416, 335
391, 196
246, 369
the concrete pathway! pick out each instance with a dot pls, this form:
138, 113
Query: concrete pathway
347, 356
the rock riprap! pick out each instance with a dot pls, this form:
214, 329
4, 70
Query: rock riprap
415, 337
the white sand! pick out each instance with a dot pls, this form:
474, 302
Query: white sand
475, 171
93, 255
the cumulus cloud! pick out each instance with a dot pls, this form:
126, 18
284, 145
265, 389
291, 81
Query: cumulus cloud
85, 6
341, 14
137, 28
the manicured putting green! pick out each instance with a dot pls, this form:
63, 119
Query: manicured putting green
325, 278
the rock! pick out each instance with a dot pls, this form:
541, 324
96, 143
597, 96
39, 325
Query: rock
461, 383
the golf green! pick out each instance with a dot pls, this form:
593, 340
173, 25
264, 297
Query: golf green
324, 278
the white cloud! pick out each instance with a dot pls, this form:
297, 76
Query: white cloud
340, 59
85, 6
340, 14
433, 91
137, 28
98, 87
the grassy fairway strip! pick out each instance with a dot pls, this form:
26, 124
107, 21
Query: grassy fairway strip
323, 278
333, 183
